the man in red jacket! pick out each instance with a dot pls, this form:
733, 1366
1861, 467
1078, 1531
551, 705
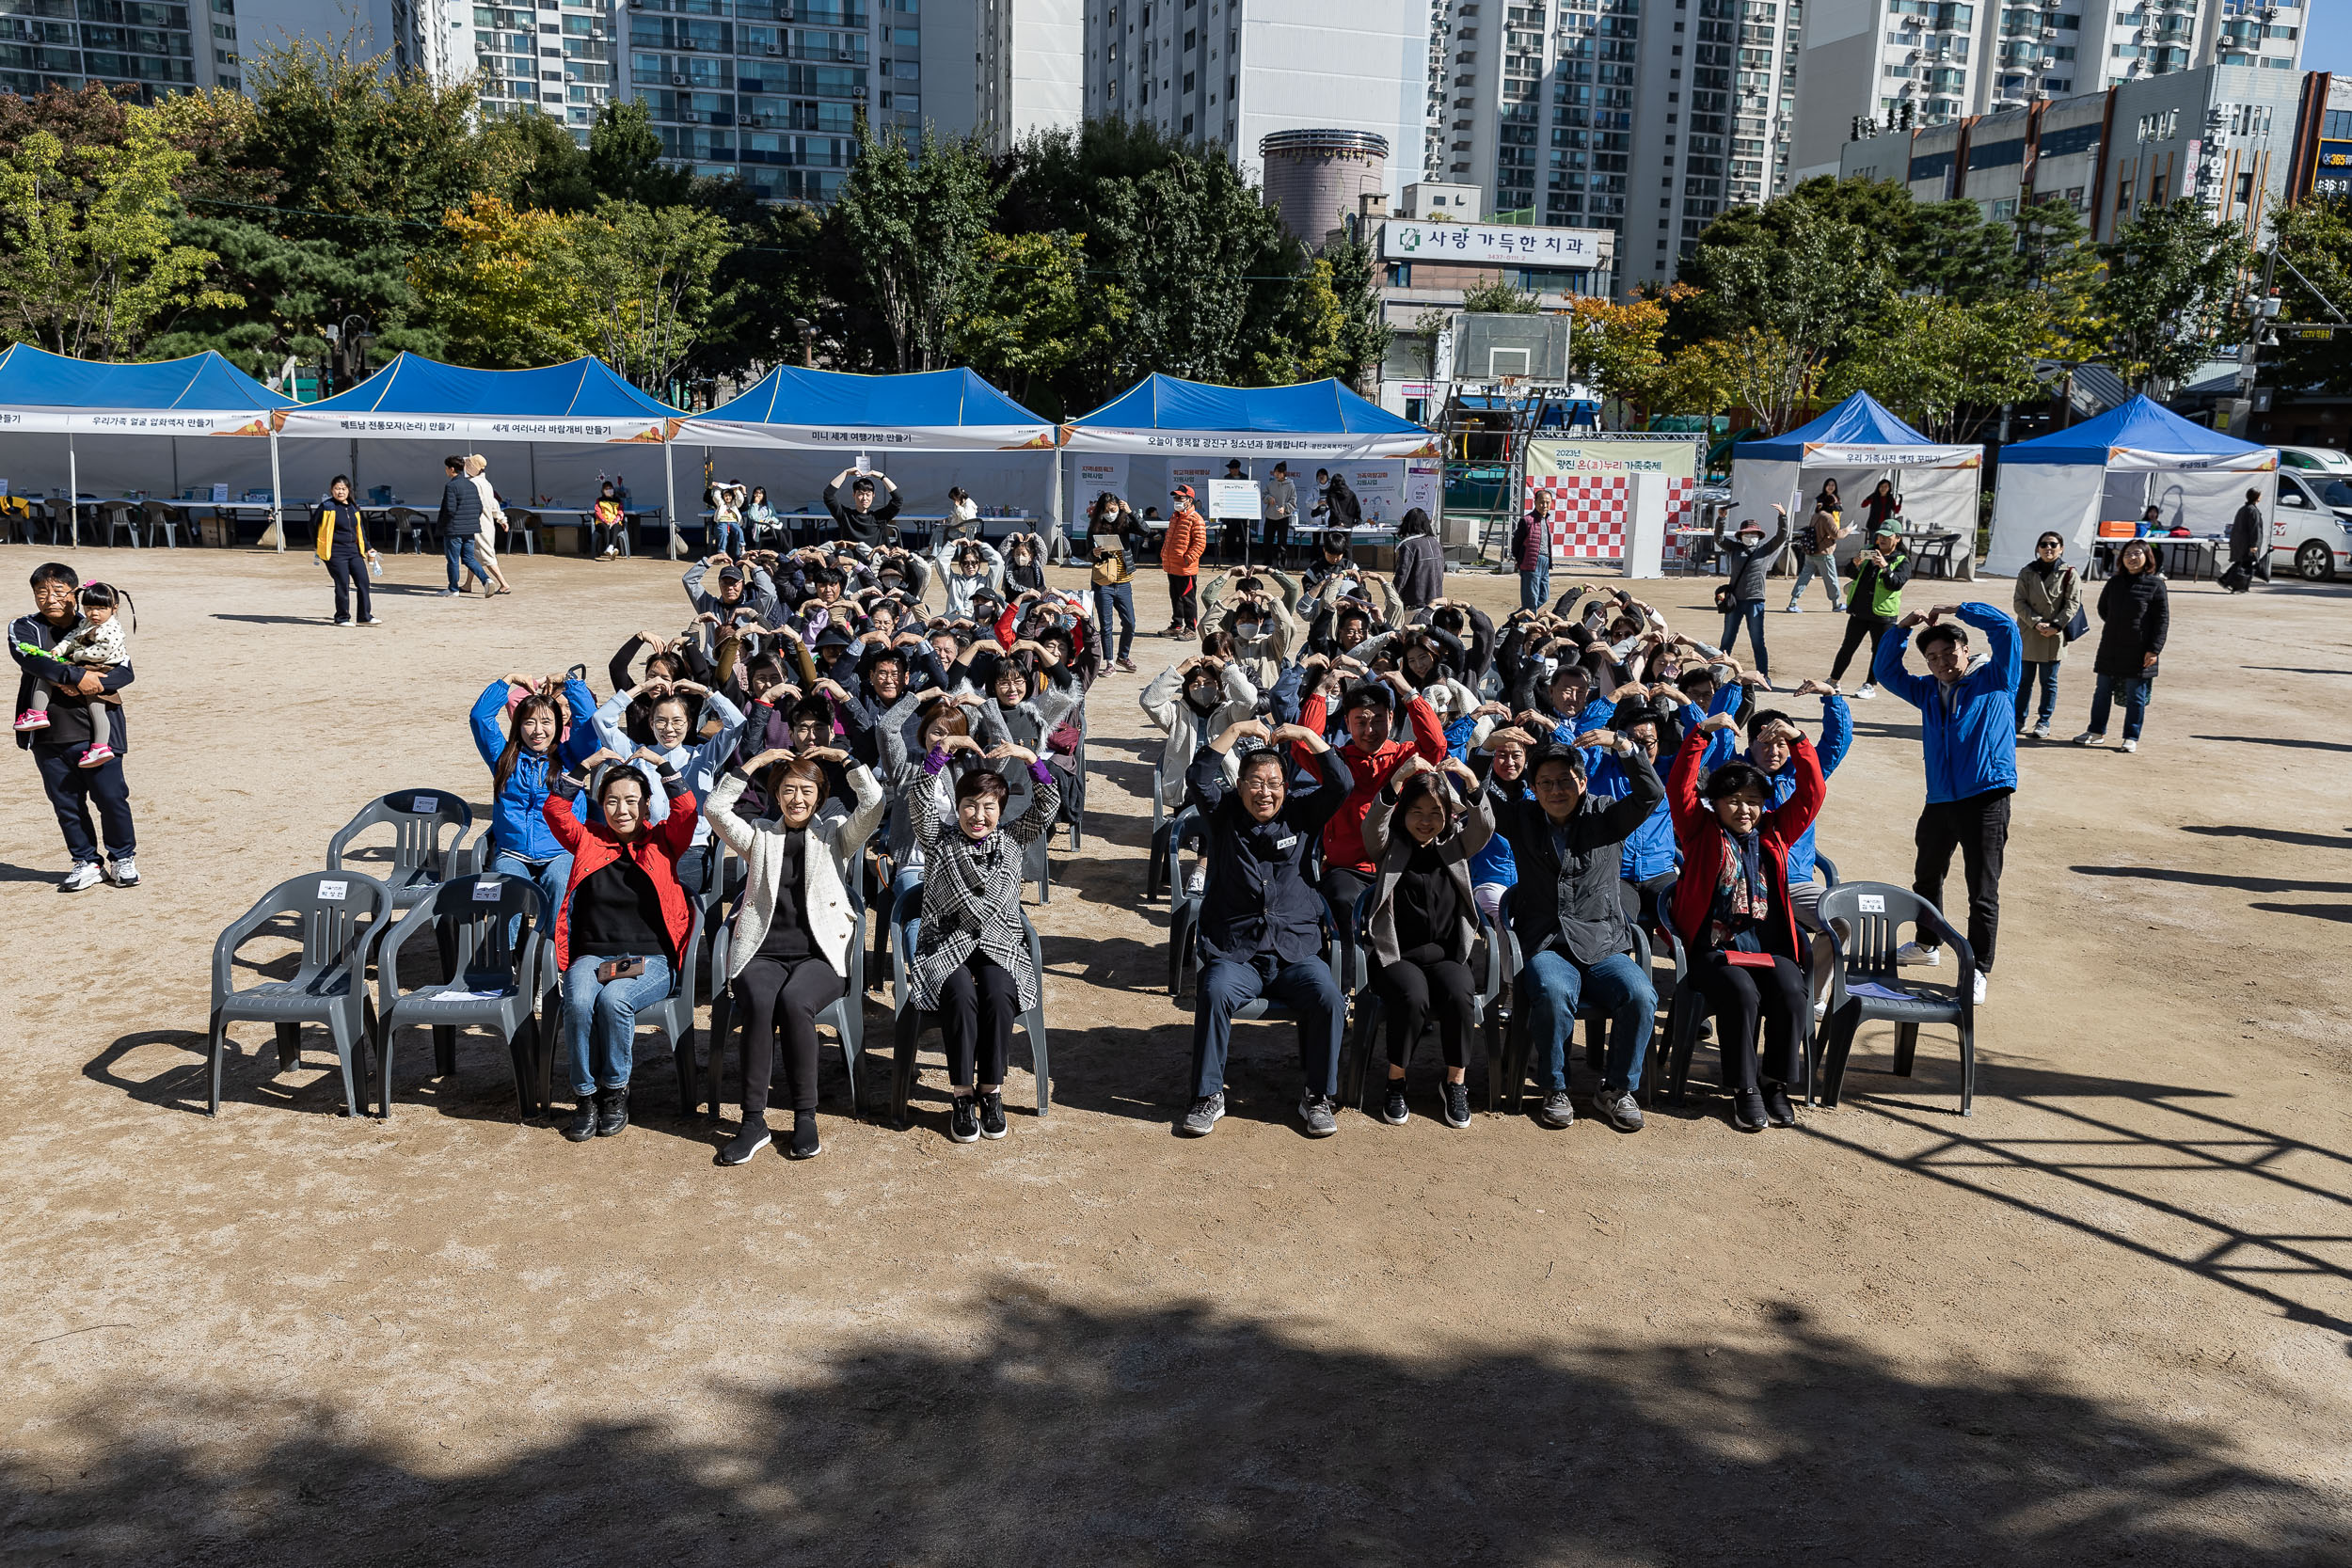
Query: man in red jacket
1367, 711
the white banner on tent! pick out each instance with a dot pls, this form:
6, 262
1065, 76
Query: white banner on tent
172, 422
1834, 454
305, 422
730, 432
1339, 445
2134, 458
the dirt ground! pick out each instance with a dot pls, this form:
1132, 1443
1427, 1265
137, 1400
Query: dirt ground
2106, 1319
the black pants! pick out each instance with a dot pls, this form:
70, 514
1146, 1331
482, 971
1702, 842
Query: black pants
72, 790
1340, 887
975, 1013
1184, 604
1412, 992
351, 576
781, 1000
1856, 623
1741, 999
1978, 827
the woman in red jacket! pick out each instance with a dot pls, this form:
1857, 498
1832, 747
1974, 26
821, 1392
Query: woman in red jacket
1731, 910
620, 933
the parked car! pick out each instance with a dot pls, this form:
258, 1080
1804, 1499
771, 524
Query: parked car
2310, 531
2316, 460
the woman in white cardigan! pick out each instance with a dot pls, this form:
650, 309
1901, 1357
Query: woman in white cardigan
793, 925
493, 520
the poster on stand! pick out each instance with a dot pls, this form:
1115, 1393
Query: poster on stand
1424, 484
1096, 474
1379, 490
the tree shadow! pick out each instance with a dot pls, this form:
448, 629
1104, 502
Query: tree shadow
2271, 835
2339, 912
1046, 1432
2292, 742
2209, 879
2293, 669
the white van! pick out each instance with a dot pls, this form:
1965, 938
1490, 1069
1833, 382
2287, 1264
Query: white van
2318, 460
2310, 533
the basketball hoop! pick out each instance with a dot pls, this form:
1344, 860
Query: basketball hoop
1510, 386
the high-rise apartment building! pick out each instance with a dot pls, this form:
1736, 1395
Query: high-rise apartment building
1926, 62
160, 46
1227, 74
1649, 119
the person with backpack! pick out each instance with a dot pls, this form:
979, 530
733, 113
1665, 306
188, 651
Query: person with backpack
2048, 597
1819, 545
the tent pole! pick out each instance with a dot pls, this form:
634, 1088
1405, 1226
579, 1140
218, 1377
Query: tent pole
669, 485
1060, 536
277, 495
175, 467
72, 493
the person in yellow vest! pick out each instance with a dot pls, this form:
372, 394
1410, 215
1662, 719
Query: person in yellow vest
342, 546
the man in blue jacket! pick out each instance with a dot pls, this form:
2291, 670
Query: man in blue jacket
1967, 726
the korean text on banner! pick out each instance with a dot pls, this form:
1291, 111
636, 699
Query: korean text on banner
1096, 476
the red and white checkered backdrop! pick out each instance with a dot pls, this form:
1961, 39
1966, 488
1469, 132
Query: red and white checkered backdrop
1585, 513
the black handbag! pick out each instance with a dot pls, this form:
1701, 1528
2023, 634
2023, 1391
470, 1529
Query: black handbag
2080, 626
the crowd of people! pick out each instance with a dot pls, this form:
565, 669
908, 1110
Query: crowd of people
1353, 763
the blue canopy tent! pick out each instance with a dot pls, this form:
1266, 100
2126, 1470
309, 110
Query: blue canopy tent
1858, 443
48, 394
2069, 478
580, 403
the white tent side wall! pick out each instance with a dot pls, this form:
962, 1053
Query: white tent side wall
2034, 498
1942, 497
1758, 485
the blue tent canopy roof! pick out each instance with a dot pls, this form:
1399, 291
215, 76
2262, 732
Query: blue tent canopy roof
1861, 421
928, 398
579, 389
31, 377
1315, 407
2140, 425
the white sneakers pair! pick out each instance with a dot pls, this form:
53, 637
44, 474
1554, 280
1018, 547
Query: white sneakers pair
88, 874
2093, 737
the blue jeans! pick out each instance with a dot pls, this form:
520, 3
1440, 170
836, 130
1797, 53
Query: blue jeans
553, 874
1751, 611
1121, 597
1535, 586
2132, 690
726, 532
1552, 986
1824, 567
600, 1021
2028, 672
458, 551
1307, 989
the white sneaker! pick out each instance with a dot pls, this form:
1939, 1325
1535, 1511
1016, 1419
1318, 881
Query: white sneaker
123, 873
1821, 1007
1796, 609
2088, 738
2132, 745
1868, 693
2040, 732
1979, 987
1912, 953
83, 875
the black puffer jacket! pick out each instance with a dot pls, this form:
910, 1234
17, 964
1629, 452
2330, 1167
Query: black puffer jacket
2135, 613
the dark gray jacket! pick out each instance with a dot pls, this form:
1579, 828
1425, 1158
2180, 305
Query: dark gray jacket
1583, 914
1747, 566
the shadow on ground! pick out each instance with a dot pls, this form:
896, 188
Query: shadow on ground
1053, 1435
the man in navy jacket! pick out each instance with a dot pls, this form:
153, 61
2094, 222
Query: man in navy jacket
1967, 727
460, 521
75, 724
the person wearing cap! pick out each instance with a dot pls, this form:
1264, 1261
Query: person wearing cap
1368, 713
1567, 845
1874, 597
1969, 734
1260, 928
861, 521
1186, 542
1746, 563
1280, 508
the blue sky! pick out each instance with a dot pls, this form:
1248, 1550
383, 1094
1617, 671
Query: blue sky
2328, 44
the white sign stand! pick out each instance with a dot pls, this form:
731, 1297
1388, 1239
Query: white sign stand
1645, 526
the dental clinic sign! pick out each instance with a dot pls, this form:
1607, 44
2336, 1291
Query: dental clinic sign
1494, 244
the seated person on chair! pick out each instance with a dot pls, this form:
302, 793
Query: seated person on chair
1733, 912
621, 931
1260, 932
1570, 922
1424, 921
794, 925
971, 961
1369, 711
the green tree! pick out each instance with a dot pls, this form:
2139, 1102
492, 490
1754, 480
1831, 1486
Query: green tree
88, 258
1945, 365
1035, 312
2314, 237
624, 159
1365, 333
1499, 298
507, 288
645, 274
2165, 304
909, 221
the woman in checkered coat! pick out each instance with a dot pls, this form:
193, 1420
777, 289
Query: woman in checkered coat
971, 961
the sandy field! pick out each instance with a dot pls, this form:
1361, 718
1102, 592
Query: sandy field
2105, 1319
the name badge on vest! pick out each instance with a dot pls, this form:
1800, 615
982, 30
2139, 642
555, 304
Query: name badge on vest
1286, 841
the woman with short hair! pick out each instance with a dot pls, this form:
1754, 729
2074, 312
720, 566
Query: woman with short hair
342, 546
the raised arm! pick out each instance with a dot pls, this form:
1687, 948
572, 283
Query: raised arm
2000, 636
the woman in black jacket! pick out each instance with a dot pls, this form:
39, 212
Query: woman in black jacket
2135, 613
1420, 561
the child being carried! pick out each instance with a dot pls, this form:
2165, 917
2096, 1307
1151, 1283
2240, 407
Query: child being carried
98, 642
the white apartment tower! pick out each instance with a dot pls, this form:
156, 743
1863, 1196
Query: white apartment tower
1926, 62
1227, 74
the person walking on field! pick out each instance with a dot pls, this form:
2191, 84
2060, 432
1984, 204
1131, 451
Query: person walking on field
2135, 616
2246, 543
1745, 565
2047, 599
1819, 546
461, 524
1186, 542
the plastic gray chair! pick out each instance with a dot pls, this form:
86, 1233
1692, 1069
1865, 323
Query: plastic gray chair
501, 975
910, 1020
846, 1018
167, 518
343, 913
1876, 913
421, 861
120, 517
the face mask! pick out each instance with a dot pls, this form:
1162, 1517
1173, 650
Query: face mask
1244, 629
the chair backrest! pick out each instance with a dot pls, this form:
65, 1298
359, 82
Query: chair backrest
1827, 867
1875, 914
338, 913
483, 909
416, 817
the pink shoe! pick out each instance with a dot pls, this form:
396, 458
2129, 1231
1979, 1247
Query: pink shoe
97, 756
31, 718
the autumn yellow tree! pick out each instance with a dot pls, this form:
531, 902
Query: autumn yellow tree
503, 286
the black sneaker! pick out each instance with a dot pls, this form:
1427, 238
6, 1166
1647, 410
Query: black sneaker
1747, 1111
963, 1121
1776, 1107
582, 1126
992, 1114
750, 1141
1393, 1111
1457, 1108
1203, 1116
804, 1145
611, 1112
